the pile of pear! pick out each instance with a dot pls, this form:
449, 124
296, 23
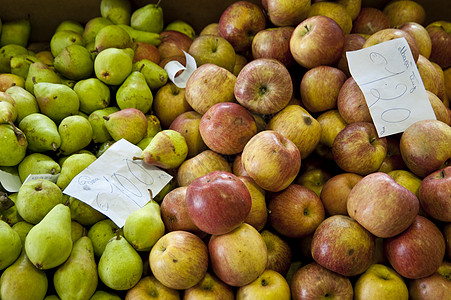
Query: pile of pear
61, 106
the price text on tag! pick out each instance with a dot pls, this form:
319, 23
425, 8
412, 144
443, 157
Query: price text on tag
389, 79
115, 184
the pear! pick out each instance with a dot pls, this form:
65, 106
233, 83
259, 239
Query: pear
8, 109
22, 281
10, 247
128, 123
63, 38
99, 132
6, 53
41, 132
148, 18
13, 145
120, 266
25, 101
76, 134
84, 213
144, 226
20, 64
100, 233
56, 100
37, 163
49, 243
74, 62
22, 228
73, 165
11, 216
113, 65
135, 93
8, 80
45, 56
77, 231
112, 36
40, 72
70, 25
142, 36
155, 75
93, 94
103, 295
52, 297
153, 125
117, 11
93, 27
16, 32
36, 198
144, 142
167, 150
183, 27
77, 277
103, 147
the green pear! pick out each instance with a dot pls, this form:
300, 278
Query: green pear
16, 32
10, 247
148, 18
103, 295
84, 213
49, 243
93, 94
167, 150
144, 226
144, 142
41, 132
11, 215
99, 132
120, 266
74, 62
22, 228
76, 134
20, 64
100, 233
40, 72
37, 163
135, 93
8, 109
56, 100
25, 101
52, 297
142, 36
113, 65
183, 27
77, 231
13, 145
117, 11
77, 277
155, 75
72, 165
93, 27
63, 38
22, 281
70, 25
103, 147
112, 36
172, 184
6, 53
36, 198
128, 123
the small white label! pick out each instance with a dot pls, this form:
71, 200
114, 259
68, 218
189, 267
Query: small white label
389, 79
115, 184
49, 177
174, 66
10, 182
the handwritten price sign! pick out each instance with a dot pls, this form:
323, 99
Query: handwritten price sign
115, 184
389, 79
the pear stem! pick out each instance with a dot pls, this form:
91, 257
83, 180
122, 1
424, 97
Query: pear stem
158, 3
106, 118
5, 202
137, 158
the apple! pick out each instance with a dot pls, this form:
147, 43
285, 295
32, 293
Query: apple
320, 87
351, 103
335, 192
369, 21
353, 7
295, 212
442, 94
439, 108
314, 179
316, 41
217, 202
393, 160
237, 166
402, 11
426, 146
418, 251
274, 43
239, 23
380, 282
440, 34
179, 259
447, 235
407, 179
213, 49
358, 149
240, 62
187, 124
271, 160
429, 75
299, 126
209, 84
279, 252
145, 50
264, 86
286, 12
169, 102
447, 82
269, 285
258, 214
238, 257
226, 128
335, 11
342, 245
436, 286
210, 287
421, 36
434, 194
173, 43
331, 123
211, 28
313, 281
353, 41
203, 163
149, 286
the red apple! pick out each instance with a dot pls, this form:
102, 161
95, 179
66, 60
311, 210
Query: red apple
173, 43
402, 11
237, 166
258, 214
440, 34
353, 41
314, 179
211, 28
421, 36
146, 51
286, 12
447, 235
418, 251
214, 50
333, 10
436, 286
393, 160
351, 103
279, 252
274, 43
269, 285
429, 75
169, 102
210, 287
434, 194
148, 286
369, 21
187, 124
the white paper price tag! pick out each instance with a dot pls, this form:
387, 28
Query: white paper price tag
389, 79
174, 66
115, 184
10, 182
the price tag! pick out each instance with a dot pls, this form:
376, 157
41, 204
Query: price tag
115, 184
174, 66
389, 79
10, 182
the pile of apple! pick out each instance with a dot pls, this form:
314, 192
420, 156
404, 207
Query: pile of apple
286, 190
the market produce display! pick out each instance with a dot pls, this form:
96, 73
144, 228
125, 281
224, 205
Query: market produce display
279, 182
